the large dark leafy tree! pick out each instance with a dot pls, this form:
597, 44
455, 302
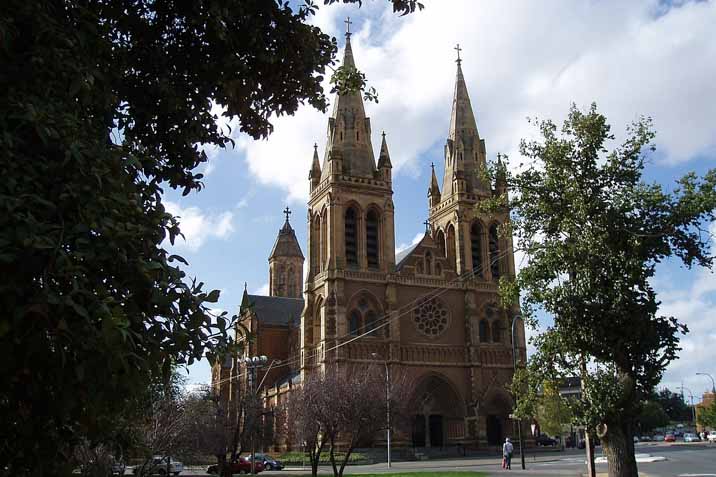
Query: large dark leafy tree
594, 232
104, 104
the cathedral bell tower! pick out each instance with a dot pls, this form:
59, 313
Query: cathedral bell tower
350, 220
470, 239
286, 263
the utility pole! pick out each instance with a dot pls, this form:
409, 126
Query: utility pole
514, 370
588, 445
693, 409
387, 403
252, 364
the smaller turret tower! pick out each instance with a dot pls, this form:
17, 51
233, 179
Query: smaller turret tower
286, 263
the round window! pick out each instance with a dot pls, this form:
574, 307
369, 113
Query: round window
431, 317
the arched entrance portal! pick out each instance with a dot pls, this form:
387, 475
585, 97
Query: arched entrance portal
496, 411
439, 418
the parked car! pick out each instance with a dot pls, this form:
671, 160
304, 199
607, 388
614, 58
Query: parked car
658, 437
711, 437
689, 437
645, 438
118, 468
239, 466
545, 440
269, 462
669, 438
158, 466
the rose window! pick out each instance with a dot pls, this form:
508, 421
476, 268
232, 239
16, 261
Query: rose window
431, 317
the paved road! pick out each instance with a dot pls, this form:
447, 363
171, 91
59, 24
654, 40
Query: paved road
683, 460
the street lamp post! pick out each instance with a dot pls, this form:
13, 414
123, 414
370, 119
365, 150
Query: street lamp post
691, 395
253, 363
387, 401
514, 370
713, 386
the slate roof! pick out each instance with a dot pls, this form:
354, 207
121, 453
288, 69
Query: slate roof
403, 256
276, 310
286, 244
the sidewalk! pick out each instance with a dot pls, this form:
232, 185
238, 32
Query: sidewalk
462, 463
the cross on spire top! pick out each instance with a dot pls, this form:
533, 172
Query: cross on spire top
348, 23
458, 49
287, 212
427, 226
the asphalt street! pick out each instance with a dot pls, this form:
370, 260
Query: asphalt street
682, 460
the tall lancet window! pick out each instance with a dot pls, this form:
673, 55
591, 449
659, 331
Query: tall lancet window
494, 252
372, 228
450, 245
351, 233
440, 239
476, 248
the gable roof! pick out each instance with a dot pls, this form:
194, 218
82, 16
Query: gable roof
402, 257
276, 310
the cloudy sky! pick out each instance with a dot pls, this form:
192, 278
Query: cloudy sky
520, 59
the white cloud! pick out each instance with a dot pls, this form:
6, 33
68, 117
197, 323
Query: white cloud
404, 246
262, 290
198, 226
520, 59
696, 308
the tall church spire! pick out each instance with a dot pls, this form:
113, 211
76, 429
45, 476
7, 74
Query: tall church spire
464, 150
349, 151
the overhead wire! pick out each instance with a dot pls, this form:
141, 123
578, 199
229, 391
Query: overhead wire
386, 318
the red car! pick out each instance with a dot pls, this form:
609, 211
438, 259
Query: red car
669, 438
241, 466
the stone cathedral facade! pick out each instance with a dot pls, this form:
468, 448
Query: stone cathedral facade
430, 312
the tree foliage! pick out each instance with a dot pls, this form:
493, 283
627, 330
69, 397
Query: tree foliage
652, 415
673, 404
707, 415
105, 104
593, 232
553, 411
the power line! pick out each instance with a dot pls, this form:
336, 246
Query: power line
416, 303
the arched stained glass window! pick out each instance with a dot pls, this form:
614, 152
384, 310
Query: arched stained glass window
372, 238
484, 331
494, 244
476, 249
351, 236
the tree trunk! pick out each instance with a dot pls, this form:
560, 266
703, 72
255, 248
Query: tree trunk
619, 446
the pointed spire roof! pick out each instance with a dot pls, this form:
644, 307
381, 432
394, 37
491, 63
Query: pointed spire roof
245, 302
349, 129
462, 119
464, 150
434, 188
384, 157
286, 244
315, 165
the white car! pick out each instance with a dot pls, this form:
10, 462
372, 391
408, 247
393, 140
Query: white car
689, 437
711, 437
158, 466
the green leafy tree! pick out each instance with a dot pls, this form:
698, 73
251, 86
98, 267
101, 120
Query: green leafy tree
104, 105
707, 415
652, 415
673, 404
553, 411
593, 232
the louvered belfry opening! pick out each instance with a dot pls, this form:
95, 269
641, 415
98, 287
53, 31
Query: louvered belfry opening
371, 240
351, 232
494, 253
476, 248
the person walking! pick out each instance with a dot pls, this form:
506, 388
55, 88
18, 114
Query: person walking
507, 449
